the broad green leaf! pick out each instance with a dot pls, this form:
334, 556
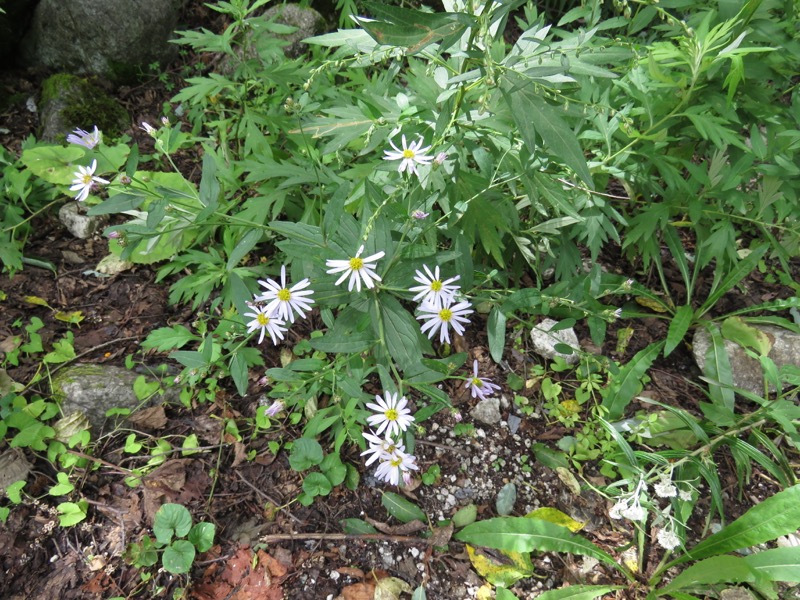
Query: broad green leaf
189, 358
678, 327
247, 243
496, 328
578, 592
776, 516
520, 534
357, 527
178, 557
717, 569
168, 338
401, 509
627, 383
465, 516
63, 486
401, 332
316, 484
171, 520
747, 336
776, 564
71, 513
533, 115
718, 368
504, 594
202, 536
238, 368
54, 164
305, 454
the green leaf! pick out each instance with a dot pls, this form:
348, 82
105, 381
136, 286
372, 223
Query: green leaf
316, 484
777, 515
171, 520
143, 389
414, 29
578, 592
63, 486
747, 336
678, 327
357, 527
520, 534
306, 453
718, 367
209, 186
239, 373
190, 445
164, 339
465, 516
401, 332
776, 564
247, 243
717, 569
14, 491
533, 115
504, 594
739, 272
71, 513
178, 557
496, 328
53, 164
189, 358
627, 383
402, 509
201, 536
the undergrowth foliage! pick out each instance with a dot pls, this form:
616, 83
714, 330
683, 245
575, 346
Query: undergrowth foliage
419, 169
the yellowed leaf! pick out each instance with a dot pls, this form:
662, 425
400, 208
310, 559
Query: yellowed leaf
555, 516
497, 573
658, 306
74, 316
37, 301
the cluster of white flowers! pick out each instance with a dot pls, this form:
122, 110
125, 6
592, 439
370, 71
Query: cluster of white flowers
629, 506
277, 305
438, 307
392, 417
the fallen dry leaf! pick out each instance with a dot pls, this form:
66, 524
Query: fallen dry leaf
359, 591
152, 418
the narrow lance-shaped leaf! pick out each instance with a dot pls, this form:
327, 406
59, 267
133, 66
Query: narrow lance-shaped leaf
678, 327
625, 384
777, 515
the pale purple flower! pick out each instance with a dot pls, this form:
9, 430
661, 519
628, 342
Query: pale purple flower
393, 414
357, 268
85, 138
284, 301
440, 158
274, 408
410, 156
480, 386
419, 215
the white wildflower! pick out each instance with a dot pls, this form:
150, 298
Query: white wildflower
357, 268
393, 414
410, 156
84, 180
441, 318
433, 290
284, 301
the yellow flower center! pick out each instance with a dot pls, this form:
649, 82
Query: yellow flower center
445, 315
477, 382
409, 154
436, 285
391, 414
356, 263
87, 179
396, 461
284, 295
262, 319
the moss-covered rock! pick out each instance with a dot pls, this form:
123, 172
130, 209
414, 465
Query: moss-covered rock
68, 102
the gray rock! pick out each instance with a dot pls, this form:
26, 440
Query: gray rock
513, 423
307, 20
736, 593
543, 341
487, 411
112, 38
69, 102
93, 390
747, 372
73, 216
13, 467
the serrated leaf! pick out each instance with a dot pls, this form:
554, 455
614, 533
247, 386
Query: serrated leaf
168, 338
401, 509
678, 327
533, 115
717, 569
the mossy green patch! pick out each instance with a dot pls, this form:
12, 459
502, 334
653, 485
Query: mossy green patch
85, 104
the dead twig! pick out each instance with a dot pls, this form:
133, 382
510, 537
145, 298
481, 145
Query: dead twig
378, 537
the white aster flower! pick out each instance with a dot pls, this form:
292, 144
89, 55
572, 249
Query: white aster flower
398, 464
665, 488
84, 138
380, 448
84, 180
668, 539
283, 301
392, 415
433, 290
266, 323
480, 386
441, 318
410, 156
357, 268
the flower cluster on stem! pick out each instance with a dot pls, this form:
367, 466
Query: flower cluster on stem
392, 417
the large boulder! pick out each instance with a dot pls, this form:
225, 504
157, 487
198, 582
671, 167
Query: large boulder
110, 38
